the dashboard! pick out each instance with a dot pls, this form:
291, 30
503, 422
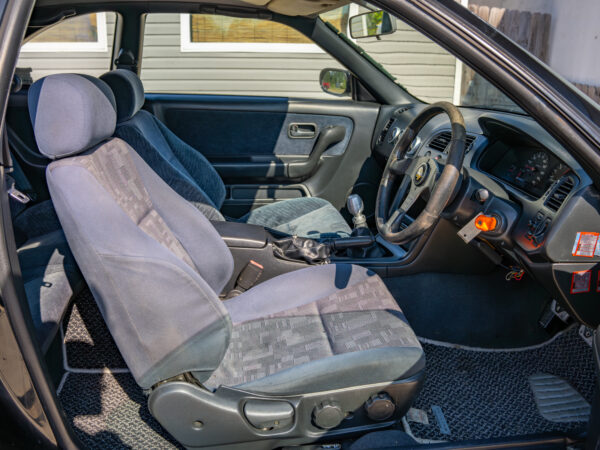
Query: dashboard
542, 195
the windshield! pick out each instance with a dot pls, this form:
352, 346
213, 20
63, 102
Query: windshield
431, 74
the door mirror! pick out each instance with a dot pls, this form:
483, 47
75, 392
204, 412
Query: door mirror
335, 82
372, 24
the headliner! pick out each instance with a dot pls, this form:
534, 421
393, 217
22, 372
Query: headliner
286, 7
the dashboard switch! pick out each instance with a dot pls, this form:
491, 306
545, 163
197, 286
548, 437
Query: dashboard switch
537, 228
486, 223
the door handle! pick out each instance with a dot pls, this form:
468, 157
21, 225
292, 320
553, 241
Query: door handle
302, 130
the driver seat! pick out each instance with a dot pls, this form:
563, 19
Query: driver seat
283, 363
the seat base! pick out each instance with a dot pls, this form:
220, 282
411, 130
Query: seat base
197, 417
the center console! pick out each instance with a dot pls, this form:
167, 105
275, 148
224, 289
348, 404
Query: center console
272, 255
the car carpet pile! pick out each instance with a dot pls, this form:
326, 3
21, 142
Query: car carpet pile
468, 393
477, 393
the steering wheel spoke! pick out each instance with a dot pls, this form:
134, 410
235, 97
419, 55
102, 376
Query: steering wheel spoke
401, 166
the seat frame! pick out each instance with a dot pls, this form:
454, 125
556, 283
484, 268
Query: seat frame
197, 417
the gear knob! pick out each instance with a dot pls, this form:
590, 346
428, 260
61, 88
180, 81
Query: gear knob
355, 205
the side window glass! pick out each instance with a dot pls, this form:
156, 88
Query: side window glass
213, 54
81, 44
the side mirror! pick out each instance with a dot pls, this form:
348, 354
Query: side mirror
335, 82
372, 24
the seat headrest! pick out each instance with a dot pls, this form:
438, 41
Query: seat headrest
70, 113
128, 90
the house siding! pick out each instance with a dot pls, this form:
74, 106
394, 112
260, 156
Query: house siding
90, 63
420, 65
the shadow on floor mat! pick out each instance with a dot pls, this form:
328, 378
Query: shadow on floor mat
88, 343
477, 310
109, 411
486, 394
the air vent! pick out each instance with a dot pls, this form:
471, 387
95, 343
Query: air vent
441, 141
559, 192
381, 137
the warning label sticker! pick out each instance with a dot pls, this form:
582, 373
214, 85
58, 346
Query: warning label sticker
581, 281
586, 244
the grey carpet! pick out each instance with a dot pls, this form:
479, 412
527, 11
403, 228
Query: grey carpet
484, 394
109, 411
476, 310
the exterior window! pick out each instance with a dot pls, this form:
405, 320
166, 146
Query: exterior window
79, 34
212, 54
81, 44
213, 33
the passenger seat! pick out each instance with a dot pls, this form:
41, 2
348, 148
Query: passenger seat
193, 177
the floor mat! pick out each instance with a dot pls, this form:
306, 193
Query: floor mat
476, 310
88, 343
109, 411
478, 394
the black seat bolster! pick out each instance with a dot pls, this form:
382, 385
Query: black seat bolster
51, 279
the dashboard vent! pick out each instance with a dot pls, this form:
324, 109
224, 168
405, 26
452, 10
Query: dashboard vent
441, 141
559, 192
386, 128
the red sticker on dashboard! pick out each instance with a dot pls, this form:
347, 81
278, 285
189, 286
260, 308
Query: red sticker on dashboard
585, 244
581, 281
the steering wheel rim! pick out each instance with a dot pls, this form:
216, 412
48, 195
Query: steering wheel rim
420, 176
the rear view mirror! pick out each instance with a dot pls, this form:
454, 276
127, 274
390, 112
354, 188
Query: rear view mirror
372, 24
335, 82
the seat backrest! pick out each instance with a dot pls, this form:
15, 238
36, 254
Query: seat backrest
181, 166
153, 262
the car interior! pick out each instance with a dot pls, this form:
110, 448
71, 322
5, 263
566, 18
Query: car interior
361, 271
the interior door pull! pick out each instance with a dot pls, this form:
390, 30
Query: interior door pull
302, 130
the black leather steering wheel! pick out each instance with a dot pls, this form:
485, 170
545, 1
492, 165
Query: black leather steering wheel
420, 176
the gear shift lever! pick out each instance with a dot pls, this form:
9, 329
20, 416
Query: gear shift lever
356, 206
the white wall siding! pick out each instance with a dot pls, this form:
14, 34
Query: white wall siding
92, 63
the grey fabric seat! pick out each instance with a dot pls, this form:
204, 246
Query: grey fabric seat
193, 177
50, 275
51, 278
156, 265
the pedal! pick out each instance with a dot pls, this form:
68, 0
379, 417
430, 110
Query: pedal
587, 334
559, 311
551, 311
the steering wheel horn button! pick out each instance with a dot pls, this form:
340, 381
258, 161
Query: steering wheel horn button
421, 174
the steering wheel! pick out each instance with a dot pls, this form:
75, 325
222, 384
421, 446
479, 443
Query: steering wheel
420, 177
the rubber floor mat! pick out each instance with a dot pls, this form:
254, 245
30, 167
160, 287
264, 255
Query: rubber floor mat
478, 394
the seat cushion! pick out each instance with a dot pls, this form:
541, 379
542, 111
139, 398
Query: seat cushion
51, 280
310, 217
320, 328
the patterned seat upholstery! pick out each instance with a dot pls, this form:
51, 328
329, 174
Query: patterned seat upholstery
156, 266
192, 176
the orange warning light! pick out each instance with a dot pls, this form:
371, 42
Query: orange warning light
485, 223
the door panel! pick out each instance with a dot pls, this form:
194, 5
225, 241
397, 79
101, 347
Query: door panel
262, 146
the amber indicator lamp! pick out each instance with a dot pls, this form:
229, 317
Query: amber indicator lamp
485, 223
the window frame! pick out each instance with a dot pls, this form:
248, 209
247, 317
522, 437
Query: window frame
101, 45
187, 45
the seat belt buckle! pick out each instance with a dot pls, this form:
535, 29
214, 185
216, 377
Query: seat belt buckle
249, 276
18, 195
246, 279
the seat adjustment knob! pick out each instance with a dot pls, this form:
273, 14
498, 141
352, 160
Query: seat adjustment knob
380, 407
328, 415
